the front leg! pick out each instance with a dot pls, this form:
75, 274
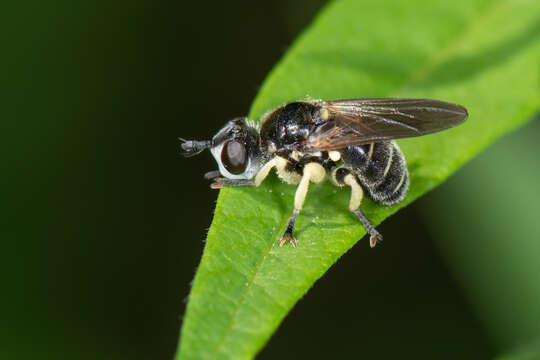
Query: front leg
219, 183
211, 175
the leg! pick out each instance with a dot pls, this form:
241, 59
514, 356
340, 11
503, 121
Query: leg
375, 236
211, 174
341, 177
220, 182
288, 236
312, 172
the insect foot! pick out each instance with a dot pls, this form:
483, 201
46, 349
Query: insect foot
374, 238
287, 237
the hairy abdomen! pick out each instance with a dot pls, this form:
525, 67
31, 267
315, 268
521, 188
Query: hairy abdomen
381, 170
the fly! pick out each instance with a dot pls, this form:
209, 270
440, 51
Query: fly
349, 141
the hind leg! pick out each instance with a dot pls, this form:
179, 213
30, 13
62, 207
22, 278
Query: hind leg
344, 177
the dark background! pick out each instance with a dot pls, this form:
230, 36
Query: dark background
104, 222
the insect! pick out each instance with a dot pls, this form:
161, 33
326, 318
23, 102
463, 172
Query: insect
349, 141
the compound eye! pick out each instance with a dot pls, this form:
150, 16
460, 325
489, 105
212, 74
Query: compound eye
234, 157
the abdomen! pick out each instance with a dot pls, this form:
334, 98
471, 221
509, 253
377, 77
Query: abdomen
381, 170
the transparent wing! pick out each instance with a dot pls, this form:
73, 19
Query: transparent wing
362, 121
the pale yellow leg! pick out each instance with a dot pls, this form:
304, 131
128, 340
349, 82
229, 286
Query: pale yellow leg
259, 178
315, 173
265, 170
354, 206
357, 193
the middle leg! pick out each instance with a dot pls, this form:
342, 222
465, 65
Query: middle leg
315, 173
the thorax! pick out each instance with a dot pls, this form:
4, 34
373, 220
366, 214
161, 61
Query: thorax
287, 127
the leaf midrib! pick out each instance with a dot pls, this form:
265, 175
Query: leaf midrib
244, 293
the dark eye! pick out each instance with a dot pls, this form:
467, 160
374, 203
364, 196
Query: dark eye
234, 157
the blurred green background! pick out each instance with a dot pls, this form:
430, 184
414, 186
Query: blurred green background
103, 223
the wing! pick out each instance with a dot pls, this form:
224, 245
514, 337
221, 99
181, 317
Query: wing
363, 121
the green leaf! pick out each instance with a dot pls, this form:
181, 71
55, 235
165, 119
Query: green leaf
482, 54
